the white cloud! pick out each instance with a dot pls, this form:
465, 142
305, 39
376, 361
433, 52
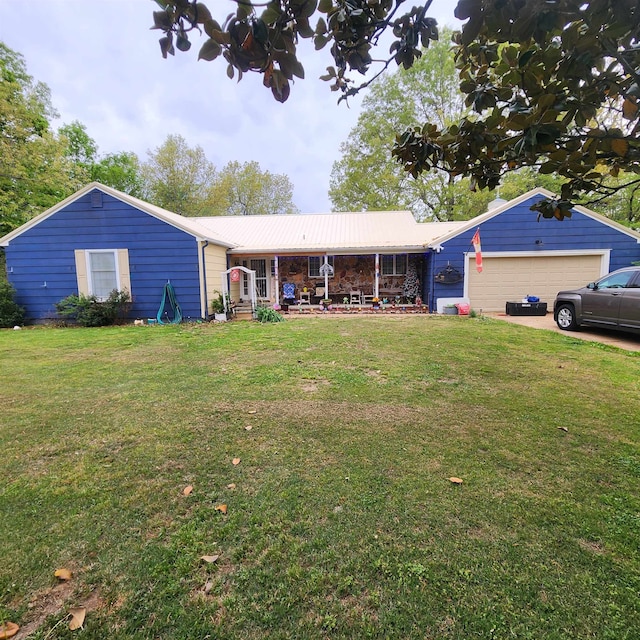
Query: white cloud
104, 68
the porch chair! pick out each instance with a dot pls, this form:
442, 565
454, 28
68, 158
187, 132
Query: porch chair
355, 297
319, 294
288, 292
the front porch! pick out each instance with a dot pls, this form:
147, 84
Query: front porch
342, 281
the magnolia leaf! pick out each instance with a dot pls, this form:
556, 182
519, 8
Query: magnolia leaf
620, 147
77, 618
235, 461
252, 412
210, 50
187, 491
248, 427
629, 108
564, 429
455, 480
222, 508
8, 630
62, 574
209, 559
231, 486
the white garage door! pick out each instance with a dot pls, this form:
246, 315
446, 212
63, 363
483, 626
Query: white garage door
505, 279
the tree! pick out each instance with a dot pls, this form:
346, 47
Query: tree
244, 189
121, 171
34, 170
179, 178
118, 170
367, 177
548, 83
543, 78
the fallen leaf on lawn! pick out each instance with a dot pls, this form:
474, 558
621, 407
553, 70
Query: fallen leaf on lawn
252, 412
8, 630
564, 429
77, 618
62, 574
235, 461
222, 508
208, 586
209, 558
231, 486
248, 427
187, 491
455, 480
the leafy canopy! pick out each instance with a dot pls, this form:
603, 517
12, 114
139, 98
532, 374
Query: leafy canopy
182, 179
552, 84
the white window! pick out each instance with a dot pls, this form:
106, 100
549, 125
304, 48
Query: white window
315, 262
100, 271
394, 265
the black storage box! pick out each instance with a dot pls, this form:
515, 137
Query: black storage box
526, 308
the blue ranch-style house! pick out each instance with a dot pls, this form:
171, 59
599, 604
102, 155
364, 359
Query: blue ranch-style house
100, 239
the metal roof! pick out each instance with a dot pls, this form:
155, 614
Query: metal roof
326, 232
349, 232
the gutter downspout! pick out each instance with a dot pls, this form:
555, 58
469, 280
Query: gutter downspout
204, 304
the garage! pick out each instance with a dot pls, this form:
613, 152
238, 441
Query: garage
511, 277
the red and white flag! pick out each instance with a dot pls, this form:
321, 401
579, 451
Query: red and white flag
478, 249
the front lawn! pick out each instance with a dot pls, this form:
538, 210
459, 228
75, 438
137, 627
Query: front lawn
341, 520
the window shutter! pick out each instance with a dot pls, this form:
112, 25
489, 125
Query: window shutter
123, 270
81, 272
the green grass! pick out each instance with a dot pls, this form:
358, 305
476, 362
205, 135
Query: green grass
342, 522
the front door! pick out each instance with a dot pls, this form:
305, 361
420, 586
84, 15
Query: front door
258, 265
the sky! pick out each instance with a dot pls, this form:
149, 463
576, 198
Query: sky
104, 68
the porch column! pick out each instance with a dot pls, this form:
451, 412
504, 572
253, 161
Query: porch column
326, 277
277, 274
376, 281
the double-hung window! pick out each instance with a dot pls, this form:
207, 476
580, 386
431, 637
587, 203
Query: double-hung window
393, 265
100, 271
315, 262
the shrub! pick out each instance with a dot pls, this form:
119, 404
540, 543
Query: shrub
88, 311
267, 314
11, 313
217, 304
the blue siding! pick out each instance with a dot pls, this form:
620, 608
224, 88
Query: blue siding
517, 229
158, 252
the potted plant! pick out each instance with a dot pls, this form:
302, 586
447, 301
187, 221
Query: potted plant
376, 302
326, 303
218, 308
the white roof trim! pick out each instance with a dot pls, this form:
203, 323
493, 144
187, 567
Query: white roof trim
541, 191
184, 224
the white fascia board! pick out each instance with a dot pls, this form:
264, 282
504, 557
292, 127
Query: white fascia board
492, 213
165, 216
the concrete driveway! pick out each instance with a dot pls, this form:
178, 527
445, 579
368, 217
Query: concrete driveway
628, 341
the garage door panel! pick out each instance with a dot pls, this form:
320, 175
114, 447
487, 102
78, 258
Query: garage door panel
511, 278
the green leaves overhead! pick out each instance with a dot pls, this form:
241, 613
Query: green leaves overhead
539, 77
263, 38
553, 87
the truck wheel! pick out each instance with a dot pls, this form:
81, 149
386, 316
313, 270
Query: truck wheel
566, 317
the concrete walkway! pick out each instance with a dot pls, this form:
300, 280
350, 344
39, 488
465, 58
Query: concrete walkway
628, 341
